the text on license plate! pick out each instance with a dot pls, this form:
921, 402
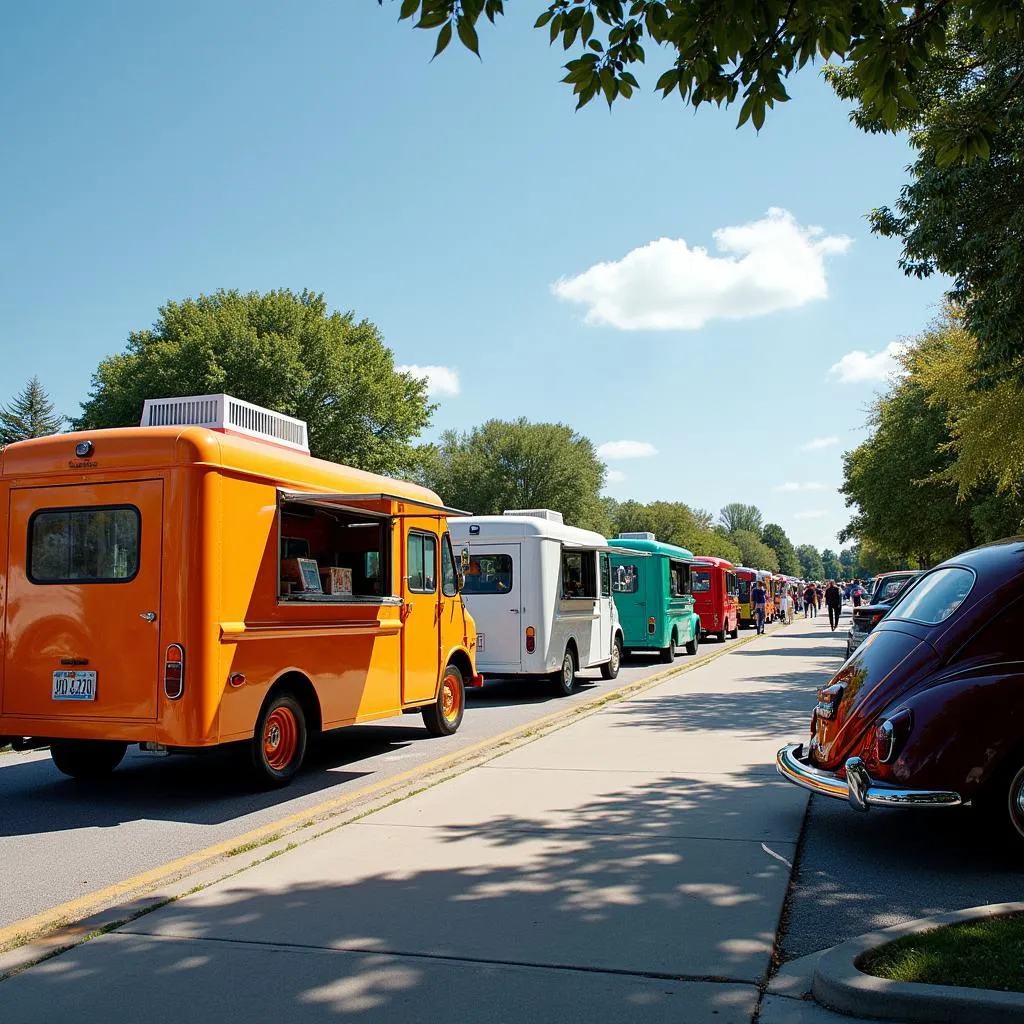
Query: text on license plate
481, 642
74, 685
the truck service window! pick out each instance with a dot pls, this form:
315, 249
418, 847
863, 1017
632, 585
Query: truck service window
343, 549
579, 574
701, 581
488, 574
84, 545
678, 578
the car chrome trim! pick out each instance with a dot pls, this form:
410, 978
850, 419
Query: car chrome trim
858, 788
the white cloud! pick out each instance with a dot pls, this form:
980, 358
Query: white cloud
442, 381
626, 450
816, 444
858, 367
766, 265
811, 485
814, 513
614, 476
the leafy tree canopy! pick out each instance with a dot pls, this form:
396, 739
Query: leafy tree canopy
674, 523
754, 553
281, 350
737, 516
832, 565
735, 52
29, 414
775, 537
812, 566
503, 465
962, 213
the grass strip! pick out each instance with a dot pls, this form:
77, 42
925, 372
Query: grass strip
987, 953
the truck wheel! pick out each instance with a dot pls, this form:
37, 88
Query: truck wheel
278, 744
610, 669
444, 716
565, 678
668, 654
721, 634
693, 644
735, 631
87, 759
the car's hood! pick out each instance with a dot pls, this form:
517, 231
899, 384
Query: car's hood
887, 665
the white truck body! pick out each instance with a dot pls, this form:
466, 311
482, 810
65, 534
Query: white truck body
531, 572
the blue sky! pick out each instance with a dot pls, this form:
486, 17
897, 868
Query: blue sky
156, 151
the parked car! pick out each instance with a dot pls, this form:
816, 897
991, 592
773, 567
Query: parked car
927, 712
886, 589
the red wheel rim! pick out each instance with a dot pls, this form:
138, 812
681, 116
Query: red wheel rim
280, 738
451, 698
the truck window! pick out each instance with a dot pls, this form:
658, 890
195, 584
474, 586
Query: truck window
701, 581
332, 554
625, 579
84, 545
606, 575
678, 579
744, 590
488, 574
422, 562
579, 574
449, 580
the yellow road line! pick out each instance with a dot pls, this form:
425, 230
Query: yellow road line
78, 909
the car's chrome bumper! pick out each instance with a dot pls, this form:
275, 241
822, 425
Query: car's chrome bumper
858, 787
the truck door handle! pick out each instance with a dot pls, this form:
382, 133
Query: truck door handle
514, 611
148, 616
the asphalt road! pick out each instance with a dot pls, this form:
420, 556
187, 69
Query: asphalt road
61, 839
858, 872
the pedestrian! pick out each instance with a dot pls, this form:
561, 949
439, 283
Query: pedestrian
784, 603
857, 594
834, 600
819, 597
759, 599
809, 600
792, 601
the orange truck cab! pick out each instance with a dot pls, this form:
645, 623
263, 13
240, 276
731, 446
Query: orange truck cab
715, 596
201, 580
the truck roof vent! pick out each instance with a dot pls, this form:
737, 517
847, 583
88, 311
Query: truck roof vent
640, 535
229, 415
536, 513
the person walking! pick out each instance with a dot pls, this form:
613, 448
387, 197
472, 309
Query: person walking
784, 603
759, 599
834, 600
857, 594
809, 609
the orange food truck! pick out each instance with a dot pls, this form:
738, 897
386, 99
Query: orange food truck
202, 580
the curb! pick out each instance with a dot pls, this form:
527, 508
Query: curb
60, 928
839, 985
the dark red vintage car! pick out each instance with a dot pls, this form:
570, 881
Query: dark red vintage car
929, 711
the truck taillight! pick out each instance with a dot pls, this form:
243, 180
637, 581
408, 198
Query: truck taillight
531, 639
174, 671
650, 625
891, 735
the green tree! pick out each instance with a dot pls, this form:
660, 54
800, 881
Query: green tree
962, 213
504, 465
754, 553
29, 414
737, 516
740, 51
832, 565
812, 566
675, 523
775, 537
281, 350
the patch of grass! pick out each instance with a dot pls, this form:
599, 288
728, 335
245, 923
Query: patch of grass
988, 953
246, 847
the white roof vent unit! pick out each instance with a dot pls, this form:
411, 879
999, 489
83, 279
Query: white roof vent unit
228, 415
641, 535
536, 513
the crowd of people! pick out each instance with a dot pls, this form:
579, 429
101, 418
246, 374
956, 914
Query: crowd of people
809, 598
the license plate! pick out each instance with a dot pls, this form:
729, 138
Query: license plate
74, 685
481, 642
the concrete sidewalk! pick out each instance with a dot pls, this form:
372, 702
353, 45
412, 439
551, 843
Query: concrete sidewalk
630, 867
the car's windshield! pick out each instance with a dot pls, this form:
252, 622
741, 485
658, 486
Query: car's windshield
934, 597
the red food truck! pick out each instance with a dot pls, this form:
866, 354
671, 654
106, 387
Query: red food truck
715, 596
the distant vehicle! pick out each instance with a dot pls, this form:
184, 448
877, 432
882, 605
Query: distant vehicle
745, 579
927, 712
887, 588
541, 595
201, 580
652, 591
715, 594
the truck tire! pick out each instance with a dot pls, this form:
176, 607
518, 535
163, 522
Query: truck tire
735, 631
278, 744
564, 679
610, 669
87, 759
668, 654
693, 644
444, 716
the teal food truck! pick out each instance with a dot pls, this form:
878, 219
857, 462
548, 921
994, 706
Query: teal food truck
651, 587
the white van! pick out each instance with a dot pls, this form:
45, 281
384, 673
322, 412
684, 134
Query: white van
541, 595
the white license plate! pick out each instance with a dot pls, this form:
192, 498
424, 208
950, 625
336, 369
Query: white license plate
481, 642
74, 685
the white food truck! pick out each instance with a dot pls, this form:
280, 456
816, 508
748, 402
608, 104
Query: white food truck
540, 592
